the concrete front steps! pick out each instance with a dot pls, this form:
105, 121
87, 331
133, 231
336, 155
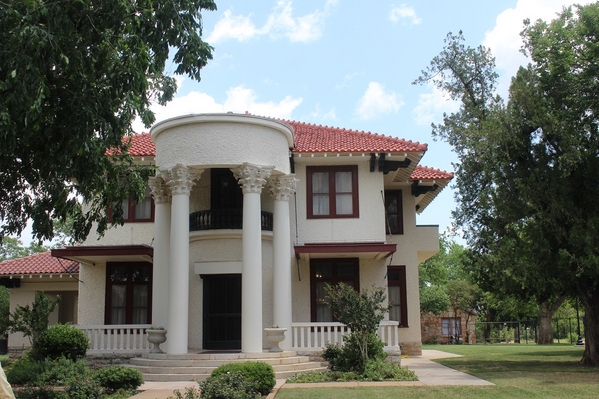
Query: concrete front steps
197, 367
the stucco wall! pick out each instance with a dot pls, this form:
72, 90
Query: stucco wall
369, 226
233, 139
128, 234
92, 294
409, 245
25, 294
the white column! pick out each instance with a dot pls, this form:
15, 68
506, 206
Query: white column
162, 243
251, 178
282, 187
180, 181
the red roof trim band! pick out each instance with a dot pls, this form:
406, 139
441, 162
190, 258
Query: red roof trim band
351, 247
109, 250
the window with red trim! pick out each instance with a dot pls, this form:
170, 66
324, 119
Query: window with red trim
394, 211
137, 212
331, 272
128, 293
332, 191
396, 280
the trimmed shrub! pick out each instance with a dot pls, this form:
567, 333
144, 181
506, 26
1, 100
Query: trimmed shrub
59, 372
230, 385
349, 357
61, 340
379, 370
84, 387
260, 374
31, 392
24, 371
113, 378
189, 393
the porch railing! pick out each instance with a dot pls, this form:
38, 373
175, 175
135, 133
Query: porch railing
315, 336
215, 219
117, 338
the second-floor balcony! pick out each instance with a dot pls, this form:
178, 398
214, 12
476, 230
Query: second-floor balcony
217, 219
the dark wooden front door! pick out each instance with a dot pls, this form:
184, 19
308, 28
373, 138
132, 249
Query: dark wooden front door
222, 311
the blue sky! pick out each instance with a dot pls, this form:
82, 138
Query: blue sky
348, 64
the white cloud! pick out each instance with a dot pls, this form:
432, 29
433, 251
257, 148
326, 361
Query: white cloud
239, 100
233, 27
281, 22
404, 12
504, 39
432, 105
346, 79
377, 101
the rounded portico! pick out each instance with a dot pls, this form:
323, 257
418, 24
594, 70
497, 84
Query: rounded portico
222, 140
253, 151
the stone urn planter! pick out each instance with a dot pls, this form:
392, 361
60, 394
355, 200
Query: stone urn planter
275, 335
156, 336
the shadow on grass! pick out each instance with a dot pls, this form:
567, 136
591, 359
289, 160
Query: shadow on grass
573, 354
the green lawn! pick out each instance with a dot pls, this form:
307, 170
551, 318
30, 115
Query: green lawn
518, 370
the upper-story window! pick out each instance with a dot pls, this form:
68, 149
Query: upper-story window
140, 212
332, 191
394, 212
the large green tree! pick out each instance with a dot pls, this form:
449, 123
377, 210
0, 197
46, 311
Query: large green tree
528, 176
73, 77
435, 273
13, 248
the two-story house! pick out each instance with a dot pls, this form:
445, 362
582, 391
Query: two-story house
247, 220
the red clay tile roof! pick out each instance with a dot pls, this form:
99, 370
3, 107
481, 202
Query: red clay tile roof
42, 263
426, 173
142, 145
317, 138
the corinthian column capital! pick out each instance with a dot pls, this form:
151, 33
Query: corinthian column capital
282, 187
252, 178
180, 179
160, 191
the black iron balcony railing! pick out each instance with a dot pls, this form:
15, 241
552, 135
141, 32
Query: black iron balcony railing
224, 219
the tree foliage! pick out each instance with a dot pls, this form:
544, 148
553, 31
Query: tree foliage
13, 248
362, 312
435, 273
33, 320
528, 172
73, 77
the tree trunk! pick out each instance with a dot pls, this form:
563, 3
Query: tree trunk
546, 311
488, 327
589, 296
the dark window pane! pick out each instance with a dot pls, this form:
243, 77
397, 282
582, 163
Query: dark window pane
393, 275
139, 274
118, 274
324, 271
345, 271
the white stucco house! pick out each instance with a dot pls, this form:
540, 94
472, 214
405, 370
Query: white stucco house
247, 219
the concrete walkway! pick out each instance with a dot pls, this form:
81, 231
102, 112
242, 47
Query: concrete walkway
428, 372
431, 373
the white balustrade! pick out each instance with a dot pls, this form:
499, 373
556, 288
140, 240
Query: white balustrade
117, 338
315, 336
